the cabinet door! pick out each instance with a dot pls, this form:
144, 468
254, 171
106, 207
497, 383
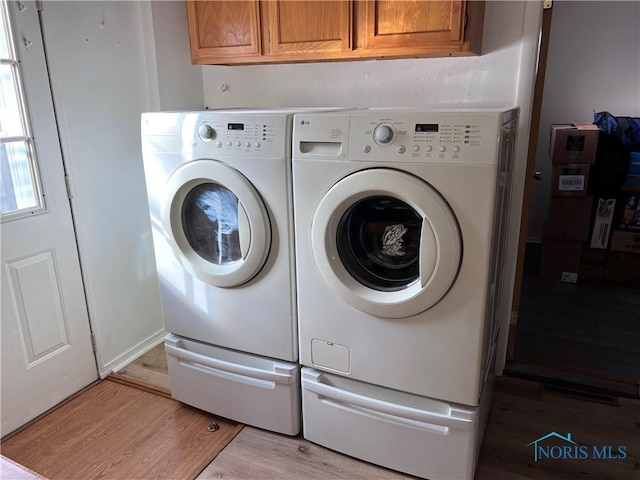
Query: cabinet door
410, 23
313, 28
221, 30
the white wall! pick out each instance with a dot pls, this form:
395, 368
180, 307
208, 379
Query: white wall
593, 65
501, 77
102, 81
179, 84
490, 79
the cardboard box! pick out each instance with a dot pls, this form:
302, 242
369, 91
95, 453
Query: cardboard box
569, 218
560, 260
570, 180
571, 143
625, 242
592, 264
622, 267
603, 219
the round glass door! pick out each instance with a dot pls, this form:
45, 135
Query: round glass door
386, 242
210, 223
216, 223
378, 241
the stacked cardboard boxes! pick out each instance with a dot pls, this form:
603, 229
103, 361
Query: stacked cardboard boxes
572, 151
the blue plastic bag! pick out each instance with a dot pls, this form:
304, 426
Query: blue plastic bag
625, 129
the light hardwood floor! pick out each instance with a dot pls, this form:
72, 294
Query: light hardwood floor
522, 411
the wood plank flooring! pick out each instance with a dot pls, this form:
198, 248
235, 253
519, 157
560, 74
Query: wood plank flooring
119, 432
522, 411
149, 368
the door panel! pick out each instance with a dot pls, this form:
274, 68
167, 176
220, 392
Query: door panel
46, 340
294, 28
224, 29
405, 23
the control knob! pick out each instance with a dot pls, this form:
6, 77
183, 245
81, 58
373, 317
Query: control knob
206, 132
383, 134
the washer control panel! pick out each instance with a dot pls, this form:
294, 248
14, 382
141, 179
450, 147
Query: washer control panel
432, 136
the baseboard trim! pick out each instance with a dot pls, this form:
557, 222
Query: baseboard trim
139, 384
133, 353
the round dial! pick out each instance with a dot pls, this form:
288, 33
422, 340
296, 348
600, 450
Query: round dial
383, 134
206, 132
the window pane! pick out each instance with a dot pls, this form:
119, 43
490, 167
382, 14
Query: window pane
18, 190
21, 193
10, 118
4, 35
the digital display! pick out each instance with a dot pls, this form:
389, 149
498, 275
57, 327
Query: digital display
426, 127
235, 126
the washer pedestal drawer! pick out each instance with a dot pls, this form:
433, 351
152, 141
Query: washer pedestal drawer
405, 432
253, 390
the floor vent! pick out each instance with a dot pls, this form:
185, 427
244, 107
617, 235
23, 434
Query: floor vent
582, 395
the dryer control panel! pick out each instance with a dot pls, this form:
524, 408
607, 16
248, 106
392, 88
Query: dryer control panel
213, 134
230, 135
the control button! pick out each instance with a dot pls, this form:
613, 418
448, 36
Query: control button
257, 144
218, 144
206, 132
428, 148
383, 134
442, 148
247, 144
401, 149
229, 143
366, 148
416, 148
238, 144
456, 149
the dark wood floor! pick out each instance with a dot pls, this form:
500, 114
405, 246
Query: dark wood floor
588, 328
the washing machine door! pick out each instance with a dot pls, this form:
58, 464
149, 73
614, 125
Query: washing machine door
386, 242
216, 223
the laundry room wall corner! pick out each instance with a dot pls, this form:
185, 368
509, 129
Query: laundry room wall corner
175, 84
101, 79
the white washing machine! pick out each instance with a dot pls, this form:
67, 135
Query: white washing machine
219, 188
399, 218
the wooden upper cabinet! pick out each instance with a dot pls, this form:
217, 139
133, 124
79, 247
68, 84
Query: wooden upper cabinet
219, 30
417, 28
307, 27
277, 31
400, 23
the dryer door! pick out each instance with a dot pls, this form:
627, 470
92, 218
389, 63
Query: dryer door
216, 223
386, 242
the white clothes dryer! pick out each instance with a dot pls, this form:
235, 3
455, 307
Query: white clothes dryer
399, 222
219, 189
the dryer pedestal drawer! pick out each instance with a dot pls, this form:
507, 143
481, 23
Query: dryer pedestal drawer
412, 434
257, 391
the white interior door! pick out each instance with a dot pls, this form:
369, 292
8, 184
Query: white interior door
46, 340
